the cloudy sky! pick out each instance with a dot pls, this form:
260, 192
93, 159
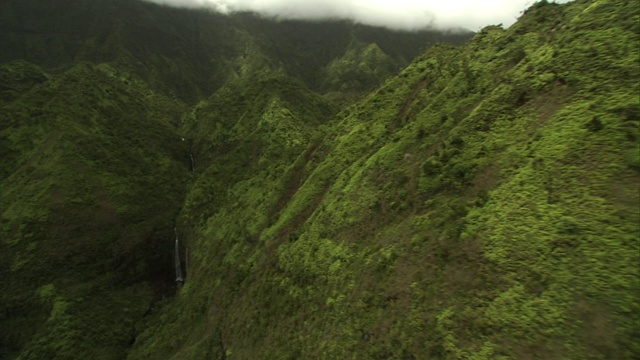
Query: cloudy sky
402, 14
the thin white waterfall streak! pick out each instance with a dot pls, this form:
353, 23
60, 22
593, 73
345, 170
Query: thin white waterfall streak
179, 277
193, 163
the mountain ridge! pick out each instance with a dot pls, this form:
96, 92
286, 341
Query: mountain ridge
481, 204
187, 50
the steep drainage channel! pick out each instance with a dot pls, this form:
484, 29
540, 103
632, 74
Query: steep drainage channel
179, 277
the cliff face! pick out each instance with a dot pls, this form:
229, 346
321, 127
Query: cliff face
483, 203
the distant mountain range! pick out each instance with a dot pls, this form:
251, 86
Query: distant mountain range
191, 53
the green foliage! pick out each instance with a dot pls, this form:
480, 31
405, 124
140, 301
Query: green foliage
94, 176
483, 204
360, 68
189, 54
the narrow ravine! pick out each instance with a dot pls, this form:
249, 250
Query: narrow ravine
179, 277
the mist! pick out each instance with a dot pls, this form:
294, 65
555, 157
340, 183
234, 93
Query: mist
395, 14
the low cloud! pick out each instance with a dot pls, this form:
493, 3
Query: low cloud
396, 14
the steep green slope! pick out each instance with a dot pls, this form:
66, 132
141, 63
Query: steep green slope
251, 142
93, 175
94, 168
305, 49
361, 67
484, 204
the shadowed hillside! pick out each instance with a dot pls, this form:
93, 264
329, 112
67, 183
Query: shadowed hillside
186, 53
482, 203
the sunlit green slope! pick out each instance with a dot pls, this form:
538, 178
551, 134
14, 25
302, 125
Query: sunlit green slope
95, 163
484, 204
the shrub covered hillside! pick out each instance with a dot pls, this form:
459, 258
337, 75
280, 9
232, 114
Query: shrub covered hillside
484, 204
94, 164
92, 175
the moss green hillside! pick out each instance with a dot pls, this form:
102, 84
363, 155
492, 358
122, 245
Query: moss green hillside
93, 175
484, 204
109, 111
361, 67
334, 199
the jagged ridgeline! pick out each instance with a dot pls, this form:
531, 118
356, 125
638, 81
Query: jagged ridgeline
189, 54
484, 203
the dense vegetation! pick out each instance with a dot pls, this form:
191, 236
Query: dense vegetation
482, 204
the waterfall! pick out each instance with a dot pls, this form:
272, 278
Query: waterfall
179, 277
193, 164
